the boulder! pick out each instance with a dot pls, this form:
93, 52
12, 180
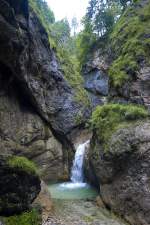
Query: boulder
123, 172
20, 185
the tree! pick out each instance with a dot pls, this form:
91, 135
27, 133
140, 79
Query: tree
102, 15
74, 25
61, 31
43, 9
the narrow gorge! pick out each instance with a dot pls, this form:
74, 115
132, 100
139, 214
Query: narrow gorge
74, 114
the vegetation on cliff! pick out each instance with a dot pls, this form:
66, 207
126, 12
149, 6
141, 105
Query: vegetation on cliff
63, 43
108, 118
22, 163
122, 31
98, 23
131, 43
26, 218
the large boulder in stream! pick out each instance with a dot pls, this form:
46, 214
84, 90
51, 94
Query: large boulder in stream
123, 171
19, 184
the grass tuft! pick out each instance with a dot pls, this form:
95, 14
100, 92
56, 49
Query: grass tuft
22, 163
108, 118
130, 43
27, 218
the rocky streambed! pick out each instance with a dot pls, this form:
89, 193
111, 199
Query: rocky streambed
81, 212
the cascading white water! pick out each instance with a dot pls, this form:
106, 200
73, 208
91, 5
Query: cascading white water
77, 175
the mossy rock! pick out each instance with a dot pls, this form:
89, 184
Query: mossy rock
27, 218
22, 163
109, 118
19, 183
130, 43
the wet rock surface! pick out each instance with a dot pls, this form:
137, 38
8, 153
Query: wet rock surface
123, 172
81, 212
24, 133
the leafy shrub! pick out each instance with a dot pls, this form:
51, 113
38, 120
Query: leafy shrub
130, 44
108, 118
22, 163
27, 218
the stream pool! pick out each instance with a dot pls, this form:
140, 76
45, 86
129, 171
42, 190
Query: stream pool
74, 201
72, 191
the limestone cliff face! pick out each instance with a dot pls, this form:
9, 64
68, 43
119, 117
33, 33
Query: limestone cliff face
124, 57
36, 104
130, 67
35, 100
95, 74
123, 172
28, 58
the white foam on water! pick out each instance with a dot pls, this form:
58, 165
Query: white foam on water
71, 185
77, 174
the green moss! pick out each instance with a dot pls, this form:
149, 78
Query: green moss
108, 118
41, 14
68, 63
27, 218
71, 69
22, 163
130, 43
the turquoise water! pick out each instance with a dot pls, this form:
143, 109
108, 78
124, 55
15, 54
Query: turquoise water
72, 191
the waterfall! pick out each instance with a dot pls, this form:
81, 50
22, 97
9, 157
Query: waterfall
77, 175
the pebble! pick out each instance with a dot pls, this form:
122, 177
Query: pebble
80, 213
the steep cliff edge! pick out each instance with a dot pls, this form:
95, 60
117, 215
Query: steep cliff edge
35, 97
118, 159
26, 53
130, 44
38, 108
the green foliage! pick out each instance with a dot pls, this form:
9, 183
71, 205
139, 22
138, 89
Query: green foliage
22, 163
129, 43
98, 23
84, 43
61, 32
27, 218
46, 16
102, 15
120, 68
108, 118
71, 70
42, 9
65, 48
74, 24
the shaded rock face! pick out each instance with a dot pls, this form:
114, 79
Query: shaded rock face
23, 133
123, 172
18, 189
136, 91
44, 202
36, 103
96, 79
25, 50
